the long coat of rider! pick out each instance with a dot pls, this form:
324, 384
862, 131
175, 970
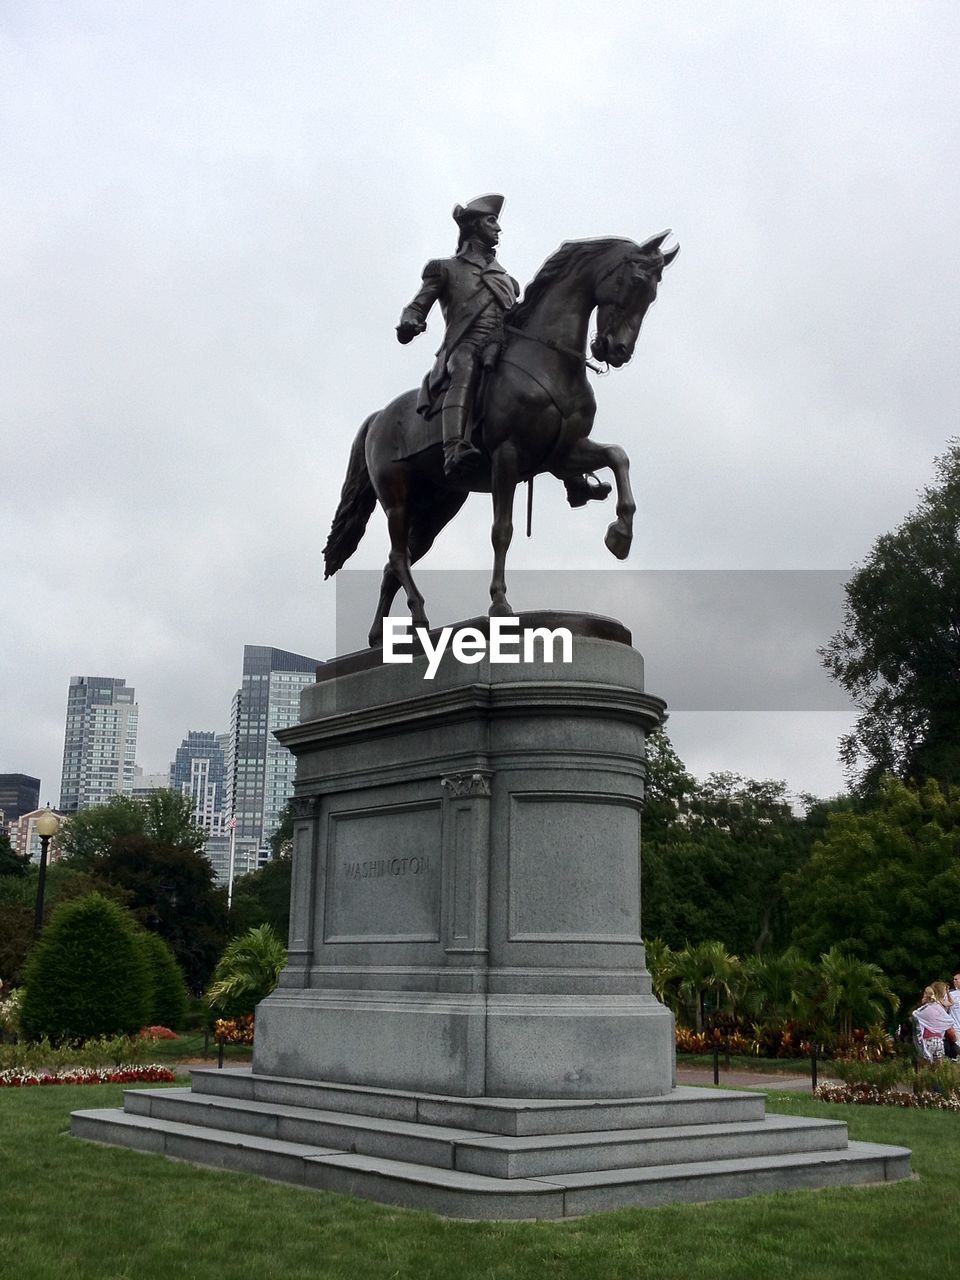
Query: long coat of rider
475, 293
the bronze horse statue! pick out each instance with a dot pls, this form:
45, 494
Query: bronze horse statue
536, 414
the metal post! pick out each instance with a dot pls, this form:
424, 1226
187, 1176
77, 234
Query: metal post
41, 885
233, 850
716, 1064
813, 1068
219, 1051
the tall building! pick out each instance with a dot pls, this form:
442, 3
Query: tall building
259, 770
100, 744
197, 772
19, 794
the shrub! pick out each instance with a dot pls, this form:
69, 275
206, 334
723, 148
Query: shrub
880, 1075
10, 1011
247, 971
170, 1000
87, 976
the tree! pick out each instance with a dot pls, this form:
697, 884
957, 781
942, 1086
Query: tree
169, 1003
659, 965
774, 985
18, 895
898, 651
263, 897
11, 864
171, 891
883, 885
92, 831
247, 972
696, 971
165, 817
714, 855
853, 992
87, 976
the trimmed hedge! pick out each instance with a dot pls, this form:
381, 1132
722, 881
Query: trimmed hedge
170, 1000
88, 975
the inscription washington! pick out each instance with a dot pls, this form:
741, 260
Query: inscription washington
377, 867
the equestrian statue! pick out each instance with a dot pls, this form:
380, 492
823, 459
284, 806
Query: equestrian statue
507, 399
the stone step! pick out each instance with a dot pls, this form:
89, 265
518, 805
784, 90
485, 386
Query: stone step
463, 1194
368, 1135
491, 1155
509, 1116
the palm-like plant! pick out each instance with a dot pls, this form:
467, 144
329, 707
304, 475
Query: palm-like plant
659, 965
852, 990
774, 985
701, 969
248, 970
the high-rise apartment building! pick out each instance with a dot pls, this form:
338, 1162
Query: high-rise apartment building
259, 770
100, 744
197, 772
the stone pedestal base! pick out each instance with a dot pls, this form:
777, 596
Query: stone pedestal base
504, 1046
466, 887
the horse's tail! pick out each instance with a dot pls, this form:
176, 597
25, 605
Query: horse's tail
357, 500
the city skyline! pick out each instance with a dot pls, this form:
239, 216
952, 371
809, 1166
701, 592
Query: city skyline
238, 780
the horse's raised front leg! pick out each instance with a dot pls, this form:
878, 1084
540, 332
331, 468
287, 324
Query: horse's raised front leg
504, 477
589, 455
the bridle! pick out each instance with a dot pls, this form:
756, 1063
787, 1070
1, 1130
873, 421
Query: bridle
618, 309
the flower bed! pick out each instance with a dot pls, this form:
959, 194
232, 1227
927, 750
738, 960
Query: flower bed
870, 1095
18, 1078
156, 1033
234, 1030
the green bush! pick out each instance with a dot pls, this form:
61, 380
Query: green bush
87, 976
169, 1008
881, 1075
247, 972
940, 1077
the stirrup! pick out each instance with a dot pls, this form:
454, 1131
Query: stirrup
584, 489
460, 458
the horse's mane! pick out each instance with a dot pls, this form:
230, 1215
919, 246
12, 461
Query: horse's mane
565, 261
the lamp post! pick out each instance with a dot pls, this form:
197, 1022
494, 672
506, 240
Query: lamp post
47, 826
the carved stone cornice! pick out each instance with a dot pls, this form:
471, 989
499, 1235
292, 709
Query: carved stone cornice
458, 786
305, 806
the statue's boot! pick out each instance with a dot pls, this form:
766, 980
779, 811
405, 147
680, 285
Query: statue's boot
586, 488
460, 458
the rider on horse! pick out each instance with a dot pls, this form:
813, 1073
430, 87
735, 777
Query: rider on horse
475, 293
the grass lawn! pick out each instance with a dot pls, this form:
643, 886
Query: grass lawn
190, 1045
72, 1209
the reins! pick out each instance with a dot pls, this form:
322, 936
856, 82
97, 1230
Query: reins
557, 346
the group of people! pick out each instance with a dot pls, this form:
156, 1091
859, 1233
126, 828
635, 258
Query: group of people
937, 1021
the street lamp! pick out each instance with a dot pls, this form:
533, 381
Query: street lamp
47, 826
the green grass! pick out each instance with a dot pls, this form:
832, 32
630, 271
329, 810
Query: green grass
764, 1066
750, 1062
190, 1045
71, 1210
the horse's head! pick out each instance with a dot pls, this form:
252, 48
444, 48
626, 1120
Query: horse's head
623, 293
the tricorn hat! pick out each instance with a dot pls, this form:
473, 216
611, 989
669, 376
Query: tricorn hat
478, 208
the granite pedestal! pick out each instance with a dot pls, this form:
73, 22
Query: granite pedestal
466, 887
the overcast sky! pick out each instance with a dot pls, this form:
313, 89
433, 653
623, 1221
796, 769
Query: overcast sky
212, 214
